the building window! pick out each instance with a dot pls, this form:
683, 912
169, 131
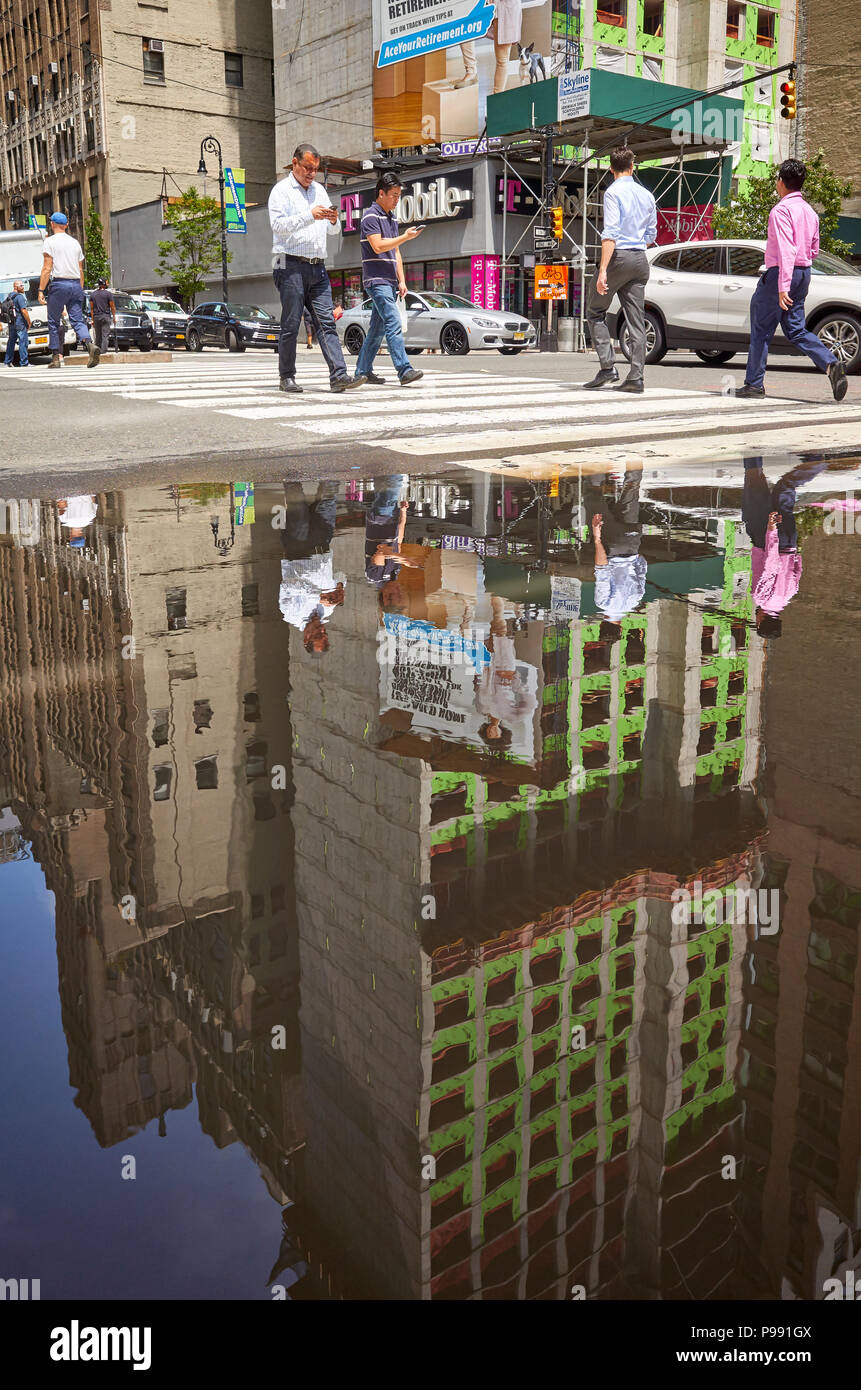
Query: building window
207, 774
160, 727
612, 12
735, 15
765, 28
653, 18
175, 604
163, 776
153, 60
250, 601
653, 69
202, 715
251, 708
94, 188
233, 76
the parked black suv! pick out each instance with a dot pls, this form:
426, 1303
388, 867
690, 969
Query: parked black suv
232, 326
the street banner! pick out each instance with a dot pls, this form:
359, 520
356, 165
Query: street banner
551, 282
243, 504
435, 62
234, 200
38, 223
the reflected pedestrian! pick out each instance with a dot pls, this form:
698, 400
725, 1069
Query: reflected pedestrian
63, 265
768, 514
310, 590
385, 523
620, 569
76, 514
302, 218
499, 691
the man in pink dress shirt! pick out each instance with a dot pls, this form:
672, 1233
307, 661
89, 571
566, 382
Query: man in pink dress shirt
769, 519
793, 242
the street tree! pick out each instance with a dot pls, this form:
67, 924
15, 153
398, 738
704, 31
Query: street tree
194, 250
96, 264
747, 214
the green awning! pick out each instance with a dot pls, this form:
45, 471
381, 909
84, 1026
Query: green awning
616, 102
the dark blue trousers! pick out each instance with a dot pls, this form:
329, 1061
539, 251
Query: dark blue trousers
68, 295
766, 314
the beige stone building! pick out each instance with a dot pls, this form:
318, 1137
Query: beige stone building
101, 102
829, 88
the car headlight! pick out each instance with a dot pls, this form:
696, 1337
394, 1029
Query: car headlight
485, 323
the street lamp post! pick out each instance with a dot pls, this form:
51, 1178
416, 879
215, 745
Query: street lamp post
210, 143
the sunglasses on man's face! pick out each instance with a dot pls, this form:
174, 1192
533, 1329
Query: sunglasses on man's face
307, 168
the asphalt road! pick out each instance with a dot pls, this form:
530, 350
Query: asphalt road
55, 425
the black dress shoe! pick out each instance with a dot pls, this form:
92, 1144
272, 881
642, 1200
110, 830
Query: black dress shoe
346, 383
633, 388
375, 380
289, 384
750, 392
411, 375
605, 375
837, 377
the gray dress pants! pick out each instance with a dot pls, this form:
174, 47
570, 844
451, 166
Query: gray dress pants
627, 276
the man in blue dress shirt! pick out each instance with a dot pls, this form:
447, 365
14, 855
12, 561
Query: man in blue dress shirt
630, 225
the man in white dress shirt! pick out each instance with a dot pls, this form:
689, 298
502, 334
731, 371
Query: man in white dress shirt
302, 216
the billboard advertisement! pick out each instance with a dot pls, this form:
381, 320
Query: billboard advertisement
437, 61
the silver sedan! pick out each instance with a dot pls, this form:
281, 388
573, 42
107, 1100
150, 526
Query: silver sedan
444, 321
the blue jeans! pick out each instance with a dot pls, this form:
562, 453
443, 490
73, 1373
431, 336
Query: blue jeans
766, 314
68, 295
759, 500
305, 290
385, 322
21, 336
383, 501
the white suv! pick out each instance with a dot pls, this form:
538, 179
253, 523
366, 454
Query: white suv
699, 293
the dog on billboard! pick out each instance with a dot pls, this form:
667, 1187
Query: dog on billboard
530, 64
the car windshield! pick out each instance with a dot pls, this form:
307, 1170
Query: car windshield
446, 301
124, 301
31, 288
161, 306
249, 311
826, 264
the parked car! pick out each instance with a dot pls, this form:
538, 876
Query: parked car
699, 294
133, 325
38, 345
232, 326
445, 321
169, 320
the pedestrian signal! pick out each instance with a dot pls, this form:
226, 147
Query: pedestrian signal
556, 224
787, 101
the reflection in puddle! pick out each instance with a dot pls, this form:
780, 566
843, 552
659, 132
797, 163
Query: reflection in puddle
490, 873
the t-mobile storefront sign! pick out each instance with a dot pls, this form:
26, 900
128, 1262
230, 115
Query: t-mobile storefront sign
486, 286
441, 199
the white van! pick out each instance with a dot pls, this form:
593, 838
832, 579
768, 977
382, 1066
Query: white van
21, 259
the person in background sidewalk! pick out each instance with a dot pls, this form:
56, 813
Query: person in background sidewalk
63, 265
104, 314
793, 242
768, 514
630, 225
383, 277
309, 330
302, 217
19, 329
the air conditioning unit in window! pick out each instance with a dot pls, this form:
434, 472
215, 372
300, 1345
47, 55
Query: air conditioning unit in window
34, 80
52, 67
156, 45
10, 96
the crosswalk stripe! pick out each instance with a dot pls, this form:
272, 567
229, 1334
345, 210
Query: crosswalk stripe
571, 412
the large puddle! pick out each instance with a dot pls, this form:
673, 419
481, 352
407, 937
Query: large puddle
472, 915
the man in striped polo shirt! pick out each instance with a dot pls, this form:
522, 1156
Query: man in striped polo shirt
383, 278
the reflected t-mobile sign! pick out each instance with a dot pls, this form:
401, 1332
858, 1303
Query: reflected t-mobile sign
439, 199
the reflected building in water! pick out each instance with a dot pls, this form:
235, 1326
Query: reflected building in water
145, 680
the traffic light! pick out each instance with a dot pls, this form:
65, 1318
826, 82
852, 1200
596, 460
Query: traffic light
788, 100
557, 215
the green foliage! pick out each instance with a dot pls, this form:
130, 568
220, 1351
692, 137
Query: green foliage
203, 493
747, 215
96, 264
189, 257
